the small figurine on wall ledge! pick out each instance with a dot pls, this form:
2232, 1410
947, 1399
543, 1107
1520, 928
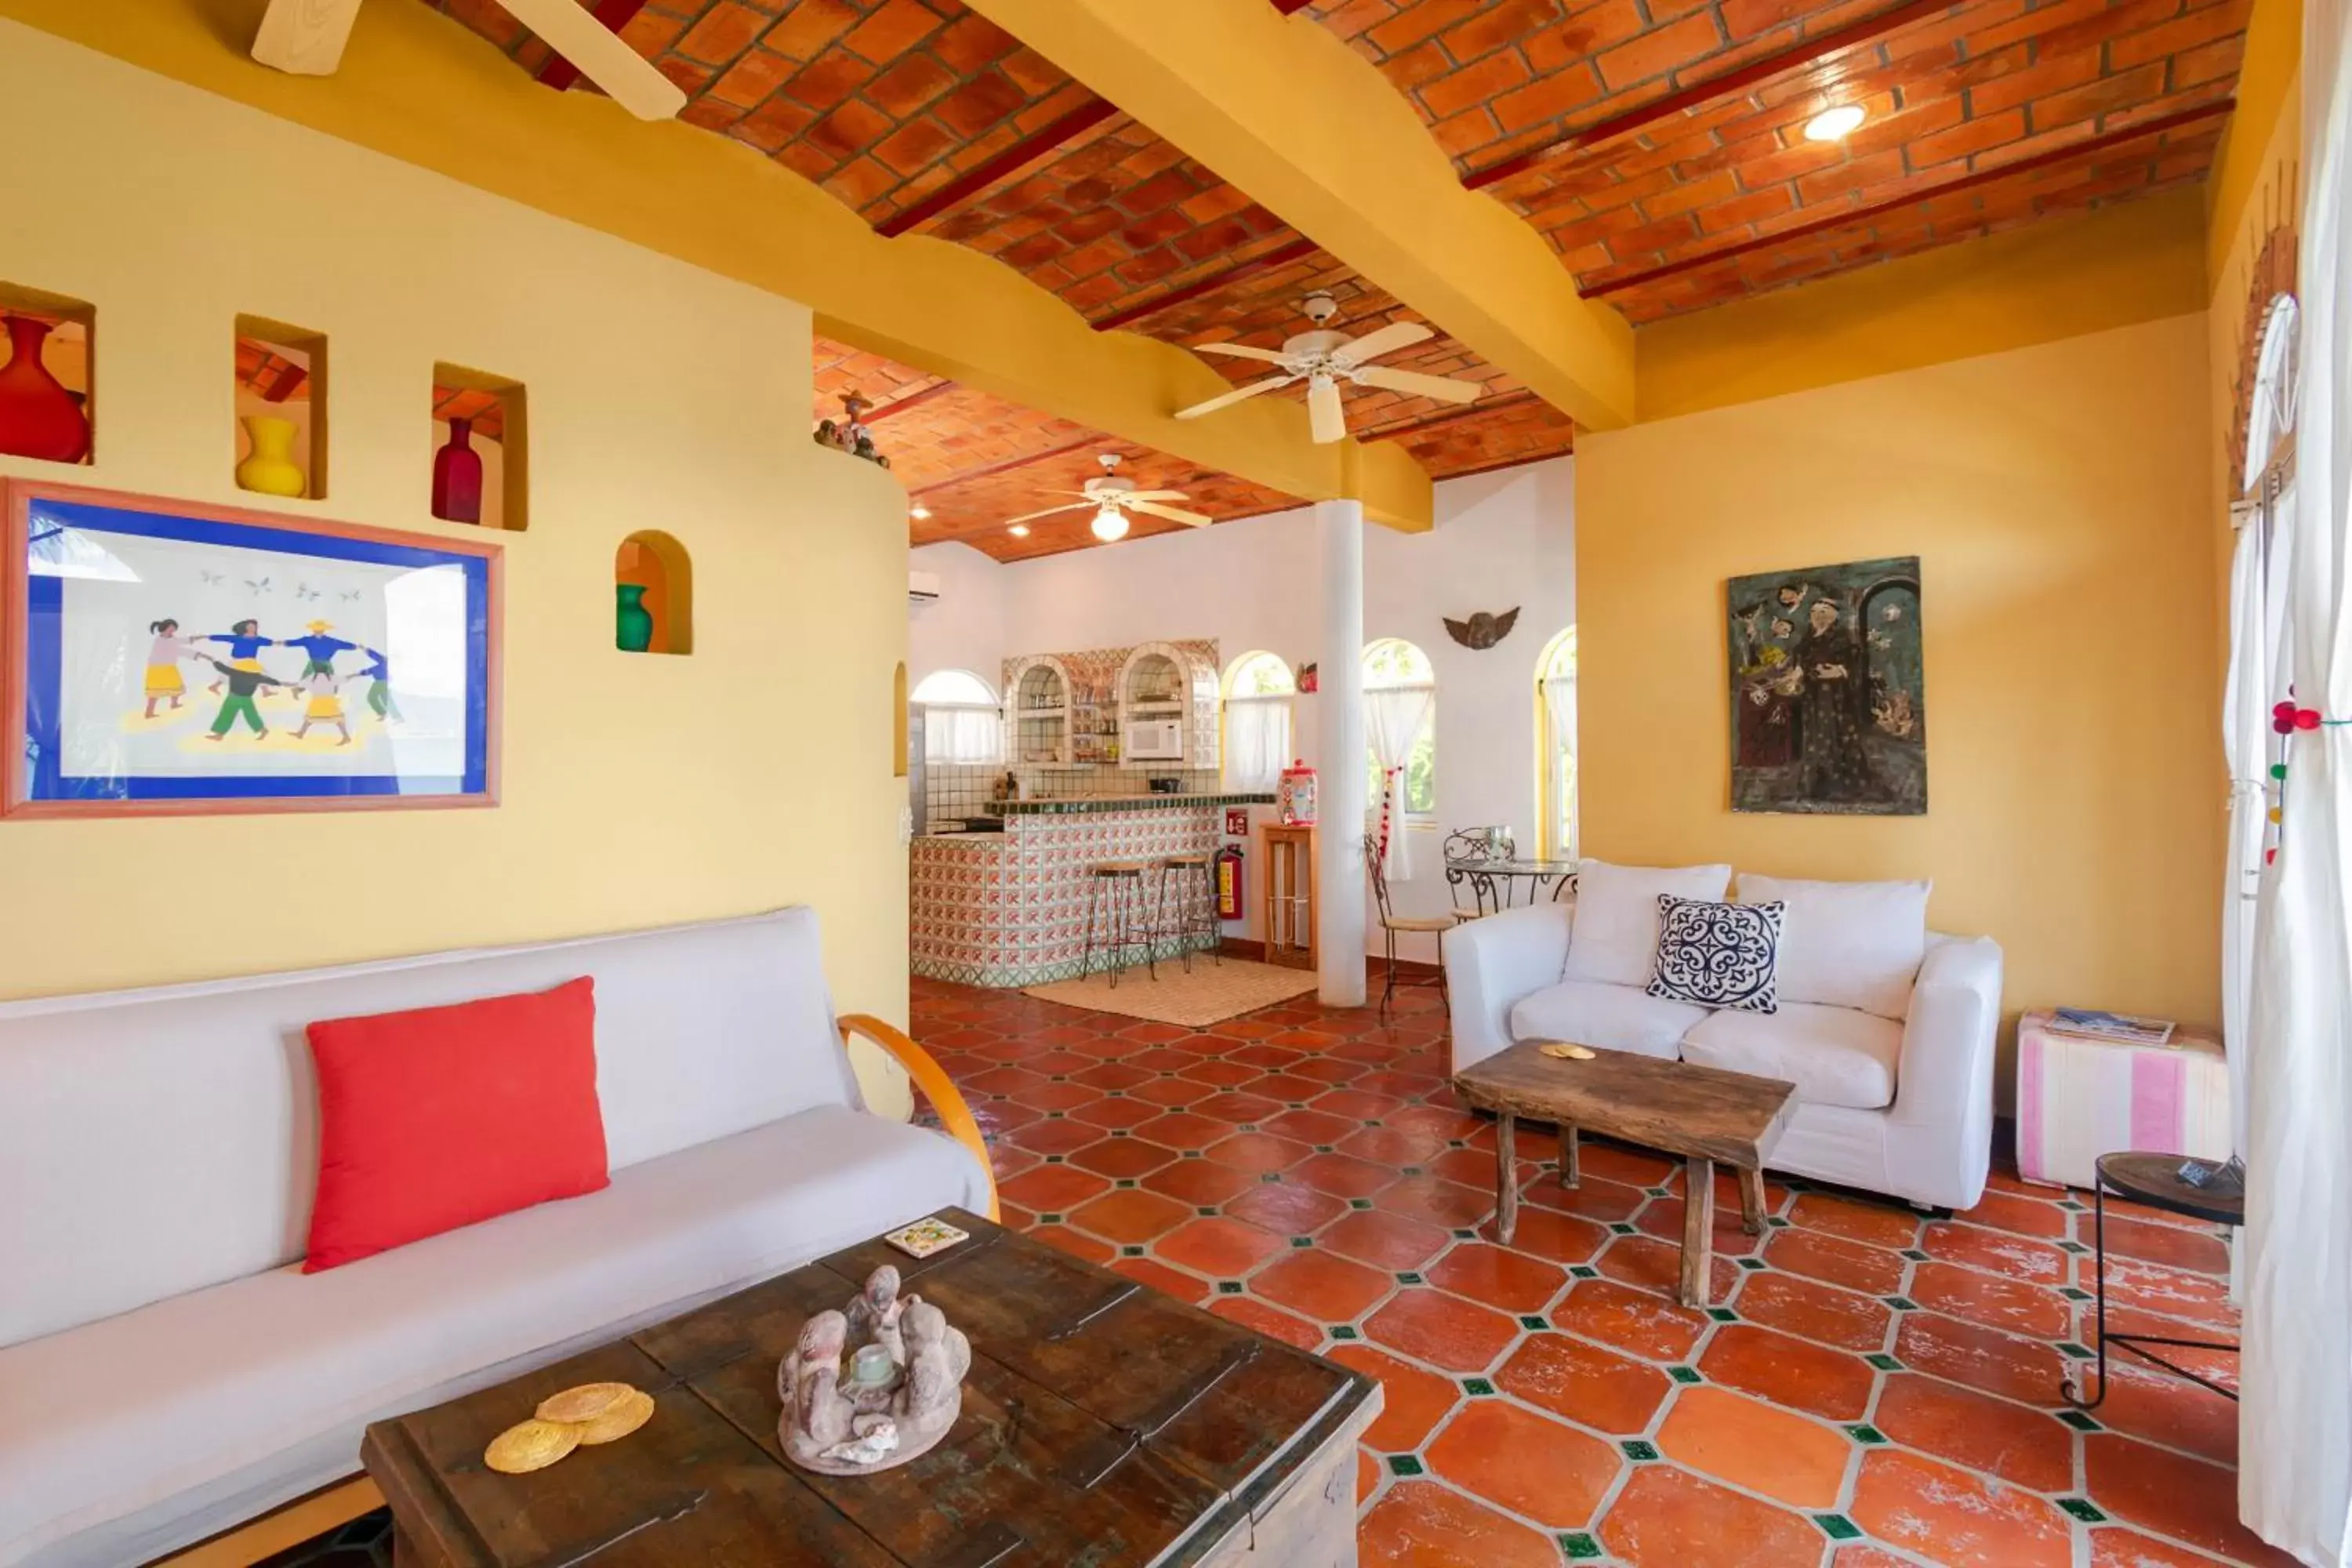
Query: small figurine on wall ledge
848, 434
1309, 677
902, 1393
1482, 631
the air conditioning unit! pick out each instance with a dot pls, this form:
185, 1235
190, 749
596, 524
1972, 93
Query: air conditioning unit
922, 588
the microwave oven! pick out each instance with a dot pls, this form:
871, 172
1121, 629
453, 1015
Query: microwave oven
1153, 741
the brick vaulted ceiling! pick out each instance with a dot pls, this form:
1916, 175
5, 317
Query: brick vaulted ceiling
1656, 144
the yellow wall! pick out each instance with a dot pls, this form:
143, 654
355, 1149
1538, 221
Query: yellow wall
2055, 496
637, 790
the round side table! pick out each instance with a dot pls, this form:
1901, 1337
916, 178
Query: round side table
2155, 1181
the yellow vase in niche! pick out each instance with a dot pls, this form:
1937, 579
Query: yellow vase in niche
272, 468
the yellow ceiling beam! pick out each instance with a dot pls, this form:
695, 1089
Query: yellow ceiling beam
418, 86
1313, 132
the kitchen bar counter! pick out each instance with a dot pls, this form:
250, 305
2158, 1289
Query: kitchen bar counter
1010, 909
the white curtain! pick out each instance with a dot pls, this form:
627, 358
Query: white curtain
1395, 719
2294, 1479
1257, 742
1560, 715
963, 734
2245, 747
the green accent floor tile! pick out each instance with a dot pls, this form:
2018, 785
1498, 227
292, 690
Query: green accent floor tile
2072, 1293
1302, 1241
1865, 1434
2083, 1509
1372, 1122
1127, 1181
1357, 1202
1902, 1303
1342, 1331
2079, 1353
1130, 1251
1455, 1143
1408, 1277
1049, 1219
1118, 1133
1659, 1191
1249, 1126
1884, 1362
1193, 1154
1837, 1527
1622, 1228
1206, 1211
1477, 1386
1636, 1448
1533, 1324
1685, 1375
2073, 1246
1752, 1265
1414, 1170
1723, 1314
1776, 1221
1578, 1547
1915, 1255
1465, 1236
1052, 1116
1322, 1147
1404, 1465
1584, 1271
2080, 1422
1270, 1177
1054, 1159
1229, 1286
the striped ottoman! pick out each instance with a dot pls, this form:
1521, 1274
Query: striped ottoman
2079, 1098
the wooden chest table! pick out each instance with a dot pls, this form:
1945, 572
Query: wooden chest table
1707, 1115
1103, 1423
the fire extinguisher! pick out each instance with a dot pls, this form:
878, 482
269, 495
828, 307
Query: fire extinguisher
1229, 882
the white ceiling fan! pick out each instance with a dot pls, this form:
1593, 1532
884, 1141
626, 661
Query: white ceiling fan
306, 38
1111, 498
1323, 359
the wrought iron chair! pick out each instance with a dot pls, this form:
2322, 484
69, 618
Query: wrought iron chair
1466, 850
1392, 925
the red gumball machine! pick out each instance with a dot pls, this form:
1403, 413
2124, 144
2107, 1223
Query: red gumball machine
1294, 795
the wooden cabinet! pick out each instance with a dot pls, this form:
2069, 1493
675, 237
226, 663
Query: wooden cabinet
1290, 895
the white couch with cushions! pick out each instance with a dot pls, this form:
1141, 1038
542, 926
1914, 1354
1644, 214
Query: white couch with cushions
167, 1372
1885, 1028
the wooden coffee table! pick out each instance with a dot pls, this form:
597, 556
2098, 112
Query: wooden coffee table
1103, 1422
1707, 1115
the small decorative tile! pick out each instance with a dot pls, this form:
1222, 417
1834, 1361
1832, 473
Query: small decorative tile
1206, 1211
2071, 1204
1533, 1324
1837, 1527
1884, 1362
1915, 1255
1270, 1177
1865, 1434
1776, 1221
1408, 1278
1229, 1286
1052, 1116
2084, 1509
1119, 1132
1322, 1147
1901, 1303
1637, 1449
1584, 1271
1622, 1228
1049, 1219
1465, 1236
2080, 1422
1476, 1387
1342, 1331
1685, 1375
1194, 1155
1578, 1547
1055, 1160
1403, 1465
1131, 1250
1659, 1191
1723, 1314
1413, 1170
1455, 1143
2075, 1247
1359, 1203
1127, 1181
1754, 1264
1302, 1241
2073, 1294
1373, 1122
2079, 1353
1249, 1126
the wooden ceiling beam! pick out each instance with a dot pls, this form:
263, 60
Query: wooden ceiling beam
1853, 216
1811, 51
559, 73
1029, 150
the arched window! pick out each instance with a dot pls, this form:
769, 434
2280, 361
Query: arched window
1257, 721
1556, 743
960, 722
1401, 723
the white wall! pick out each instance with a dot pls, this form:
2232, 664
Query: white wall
1501, 540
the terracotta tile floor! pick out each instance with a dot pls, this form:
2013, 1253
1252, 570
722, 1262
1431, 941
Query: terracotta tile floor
1874, 1389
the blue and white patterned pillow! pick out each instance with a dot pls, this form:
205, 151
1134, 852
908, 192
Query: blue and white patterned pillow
1719, 955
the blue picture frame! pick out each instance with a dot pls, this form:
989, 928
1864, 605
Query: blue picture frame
339, 667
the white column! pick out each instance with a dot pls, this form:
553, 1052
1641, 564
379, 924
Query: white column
1340, 735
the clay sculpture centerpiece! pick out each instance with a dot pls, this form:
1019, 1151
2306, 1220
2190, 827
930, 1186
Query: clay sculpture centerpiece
872, 1387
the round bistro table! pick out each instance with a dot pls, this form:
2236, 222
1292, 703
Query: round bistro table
2154, 1180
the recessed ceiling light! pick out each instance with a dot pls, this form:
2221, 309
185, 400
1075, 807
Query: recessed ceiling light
1833, 125
1019, 531
1109, 525
920, 512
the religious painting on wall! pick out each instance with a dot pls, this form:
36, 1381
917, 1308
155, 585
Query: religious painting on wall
167, 656
1829, 704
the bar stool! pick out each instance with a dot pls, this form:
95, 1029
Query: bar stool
1187, 880
1115, 900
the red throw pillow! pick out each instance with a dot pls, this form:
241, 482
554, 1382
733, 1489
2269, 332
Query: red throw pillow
446, 1116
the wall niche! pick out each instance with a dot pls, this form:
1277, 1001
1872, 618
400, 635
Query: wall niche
653, 592
48, 409
281, 409
481, 448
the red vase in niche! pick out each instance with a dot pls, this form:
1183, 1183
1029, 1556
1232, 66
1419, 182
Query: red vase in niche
457, 477
38, 417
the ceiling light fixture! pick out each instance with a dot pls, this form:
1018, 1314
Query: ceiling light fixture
920, 512
1109, 525
1834, 125
1019, 531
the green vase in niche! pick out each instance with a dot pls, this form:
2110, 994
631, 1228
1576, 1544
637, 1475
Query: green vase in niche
632, 623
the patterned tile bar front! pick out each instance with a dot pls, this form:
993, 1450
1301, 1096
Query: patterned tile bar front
1010, 909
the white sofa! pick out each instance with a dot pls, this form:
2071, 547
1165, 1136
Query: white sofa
166, 1371
1900, 1105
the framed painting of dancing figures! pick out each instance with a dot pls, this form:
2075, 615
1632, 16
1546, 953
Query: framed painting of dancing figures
172, 656
1829, 696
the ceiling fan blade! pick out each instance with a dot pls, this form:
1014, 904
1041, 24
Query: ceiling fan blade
1323, 411
1443, 389
1239, 393
1389, 339
1239, 351
1173, 515
627, 77
1027, 515
1155, 495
